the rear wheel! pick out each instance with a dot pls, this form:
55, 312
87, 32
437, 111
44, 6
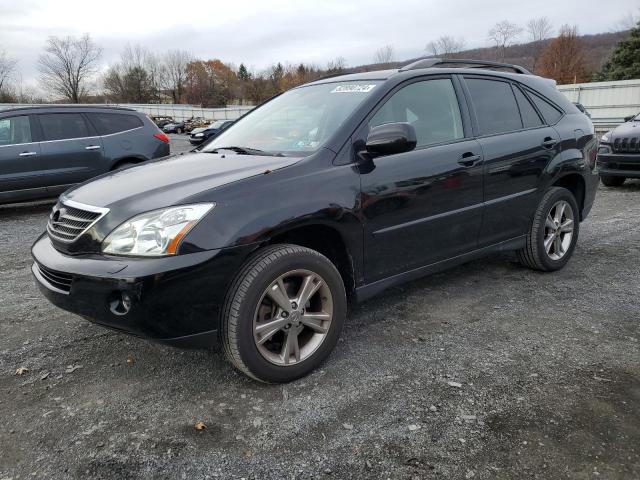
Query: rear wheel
283, 313
554, 232
612, 181
178, 131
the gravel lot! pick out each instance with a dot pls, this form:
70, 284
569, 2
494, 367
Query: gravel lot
485, 371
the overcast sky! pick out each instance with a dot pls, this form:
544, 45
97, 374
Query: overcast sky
260, 33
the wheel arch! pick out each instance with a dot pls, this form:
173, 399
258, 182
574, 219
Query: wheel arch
574, 182
129, 159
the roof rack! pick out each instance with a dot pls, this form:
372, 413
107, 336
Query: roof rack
461, 62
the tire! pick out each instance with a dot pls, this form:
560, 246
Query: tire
535, 254
612, 181
249, 294
178, 131
123, 165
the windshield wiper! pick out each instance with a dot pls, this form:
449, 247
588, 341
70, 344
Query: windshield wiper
246, 151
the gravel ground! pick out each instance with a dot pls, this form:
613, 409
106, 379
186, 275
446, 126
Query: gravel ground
485, 371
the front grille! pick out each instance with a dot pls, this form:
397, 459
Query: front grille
626, 145
60, 281
67, 223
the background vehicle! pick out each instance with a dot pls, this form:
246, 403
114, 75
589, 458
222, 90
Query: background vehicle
161, 121
174, 127
334, 190
619, 153
45, 150
200, 135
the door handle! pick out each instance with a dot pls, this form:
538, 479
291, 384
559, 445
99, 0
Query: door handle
28, 154
92, 147
549, 142
469, 159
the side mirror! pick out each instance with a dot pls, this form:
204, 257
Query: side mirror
391, 138
628, 117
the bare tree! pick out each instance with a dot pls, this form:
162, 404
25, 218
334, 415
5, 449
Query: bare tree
174, 72
564, 58
7, 68
385, 55
336, 65
446, 47
68, 64
503, 35
627, 22
539, 30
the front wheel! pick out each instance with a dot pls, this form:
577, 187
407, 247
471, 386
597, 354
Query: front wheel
283, 313
612, 181
554, 232
178, 131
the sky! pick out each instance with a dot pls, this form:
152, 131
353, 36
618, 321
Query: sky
259, 33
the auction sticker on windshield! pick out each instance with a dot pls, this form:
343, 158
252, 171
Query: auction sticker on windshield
353, 88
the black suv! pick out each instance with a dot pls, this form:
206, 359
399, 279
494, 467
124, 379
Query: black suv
332, 191
619, 153
45, 150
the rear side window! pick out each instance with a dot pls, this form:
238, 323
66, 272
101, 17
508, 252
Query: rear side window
530, 117
431, 106
495, 106
15, 130
550, 113
62, 126
109, 123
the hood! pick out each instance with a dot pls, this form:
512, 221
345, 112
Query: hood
197, 130
626, 130
171, 181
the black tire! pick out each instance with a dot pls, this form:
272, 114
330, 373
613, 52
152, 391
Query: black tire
612, 181
178, 131
244, 294
534, 255
123, 165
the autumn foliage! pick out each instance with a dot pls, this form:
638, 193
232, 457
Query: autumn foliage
564, 58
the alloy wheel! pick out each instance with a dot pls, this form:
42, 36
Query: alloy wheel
558, 230
293, 317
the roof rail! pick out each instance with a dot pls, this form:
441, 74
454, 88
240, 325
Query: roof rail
461, 62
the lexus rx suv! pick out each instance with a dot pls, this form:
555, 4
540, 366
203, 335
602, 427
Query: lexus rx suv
46, 150
619, 153
327, 194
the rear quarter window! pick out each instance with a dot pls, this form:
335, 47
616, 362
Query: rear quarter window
550, 113
110, 123
63, 126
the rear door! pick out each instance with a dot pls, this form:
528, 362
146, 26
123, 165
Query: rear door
20, 159
517, 146
71, 149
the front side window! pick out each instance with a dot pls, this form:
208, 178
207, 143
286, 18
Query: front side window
495, 106
431, 106
15, 130
110, 123
299, 121
62, 126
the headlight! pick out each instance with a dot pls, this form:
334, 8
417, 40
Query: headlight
606, 137
155, 233
199, 135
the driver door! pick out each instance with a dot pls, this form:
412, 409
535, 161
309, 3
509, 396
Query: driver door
422, 206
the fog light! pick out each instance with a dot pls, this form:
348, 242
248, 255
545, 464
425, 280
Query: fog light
120, 303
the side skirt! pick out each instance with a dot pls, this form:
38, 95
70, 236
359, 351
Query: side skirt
367, 291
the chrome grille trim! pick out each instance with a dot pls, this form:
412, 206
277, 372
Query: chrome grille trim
72, 219
57, 281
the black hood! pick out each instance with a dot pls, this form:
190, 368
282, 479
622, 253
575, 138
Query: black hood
626, 130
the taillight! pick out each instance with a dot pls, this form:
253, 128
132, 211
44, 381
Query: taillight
162, 137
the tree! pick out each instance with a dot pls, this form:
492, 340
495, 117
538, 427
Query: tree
7, 68
445, 47
174, 72
336, 66
135, 78
503, 35
624, 63
539, 30
244, 74
384, 56
563, 59
210, 83
68, 64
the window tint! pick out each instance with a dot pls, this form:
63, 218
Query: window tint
550, 113
108, 123
530, 117
430, 106
495, 105
60, 126
15, 130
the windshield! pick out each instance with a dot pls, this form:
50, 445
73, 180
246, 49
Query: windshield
298, 122
216, 124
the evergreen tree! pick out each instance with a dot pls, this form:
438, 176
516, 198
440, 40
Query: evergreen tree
624, 63
243, 73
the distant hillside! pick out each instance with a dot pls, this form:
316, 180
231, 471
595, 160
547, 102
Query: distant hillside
597, 48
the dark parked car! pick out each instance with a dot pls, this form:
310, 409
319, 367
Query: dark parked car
619, 153
161, 121
200, 135
332, 191
45, 150
174, 127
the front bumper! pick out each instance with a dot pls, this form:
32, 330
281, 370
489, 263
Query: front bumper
174, 300
619, 165
196, 141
